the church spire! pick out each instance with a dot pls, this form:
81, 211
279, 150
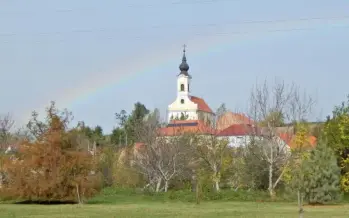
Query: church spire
184, 67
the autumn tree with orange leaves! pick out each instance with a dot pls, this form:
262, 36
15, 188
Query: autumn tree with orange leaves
53, 167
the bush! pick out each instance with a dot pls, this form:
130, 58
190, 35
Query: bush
127, 195
51, 168
322, 176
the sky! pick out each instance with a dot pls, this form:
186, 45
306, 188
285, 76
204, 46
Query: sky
96, 58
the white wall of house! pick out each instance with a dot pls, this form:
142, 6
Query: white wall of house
237, 141
243, 140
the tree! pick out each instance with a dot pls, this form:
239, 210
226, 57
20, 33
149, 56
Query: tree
265, 102
294, 176
321, 176
222, 109
211, 149
336, 131
159, 159
275, 118
51, 168
116, 136
129, 123
121, 132
6, 125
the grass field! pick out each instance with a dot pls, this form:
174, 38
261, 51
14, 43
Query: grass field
171, 209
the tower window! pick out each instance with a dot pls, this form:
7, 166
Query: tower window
182, 87
188, 88
182, 101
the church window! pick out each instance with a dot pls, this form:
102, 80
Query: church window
182, 87
182, 101
188, 88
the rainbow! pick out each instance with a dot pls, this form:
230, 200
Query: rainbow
164, 56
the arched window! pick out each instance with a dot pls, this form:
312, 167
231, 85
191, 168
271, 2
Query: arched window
182, 87
182, 101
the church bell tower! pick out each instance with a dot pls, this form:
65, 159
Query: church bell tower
183, 107
183, 78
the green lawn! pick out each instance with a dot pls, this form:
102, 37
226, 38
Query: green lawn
171, 209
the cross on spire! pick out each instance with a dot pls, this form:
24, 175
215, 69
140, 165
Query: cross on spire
184, 67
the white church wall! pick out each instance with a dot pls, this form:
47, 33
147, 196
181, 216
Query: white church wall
192, 115
183, 104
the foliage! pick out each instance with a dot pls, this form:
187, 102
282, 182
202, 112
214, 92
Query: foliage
51, 168
129, 124
336, 131
210, 151
124, 174
114, 195
6, 125
107, 158
321, 175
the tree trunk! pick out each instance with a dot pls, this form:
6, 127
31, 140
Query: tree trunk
78, 194
271, 188
216, 179
217, 186
197, 191
300, 204
166, 185
158, 185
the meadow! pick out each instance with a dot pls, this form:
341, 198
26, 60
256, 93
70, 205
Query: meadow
130, 203
173, 209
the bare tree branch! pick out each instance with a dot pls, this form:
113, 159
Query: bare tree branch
269, 103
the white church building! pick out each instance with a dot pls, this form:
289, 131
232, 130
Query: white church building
186, 106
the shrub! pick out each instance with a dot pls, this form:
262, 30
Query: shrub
321, 176
50, 168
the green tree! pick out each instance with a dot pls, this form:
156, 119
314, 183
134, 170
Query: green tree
321, 175
130, 123
116, 136
336, 131
135, 122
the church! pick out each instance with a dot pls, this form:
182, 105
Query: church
187, 106
188, 113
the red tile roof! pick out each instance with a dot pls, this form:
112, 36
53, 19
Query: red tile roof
289, 139
202, 106
139, 145
239, 130
177, 127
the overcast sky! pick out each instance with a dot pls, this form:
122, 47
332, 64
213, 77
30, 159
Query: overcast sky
98, 57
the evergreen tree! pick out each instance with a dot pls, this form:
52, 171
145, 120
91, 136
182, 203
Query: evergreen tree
321, 176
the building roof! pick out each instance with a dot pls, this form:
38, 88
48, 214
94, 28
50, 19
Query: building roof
290, 140
230, 118
239, 130
177, 127
202, 105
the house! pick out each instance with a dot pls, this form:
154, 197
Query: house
239, 134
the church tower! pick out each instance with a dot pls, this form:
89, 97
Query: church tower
183, 78
183, 107
186, 106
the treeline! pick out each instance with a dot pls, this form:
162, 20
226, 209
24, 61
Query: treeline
54, 162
